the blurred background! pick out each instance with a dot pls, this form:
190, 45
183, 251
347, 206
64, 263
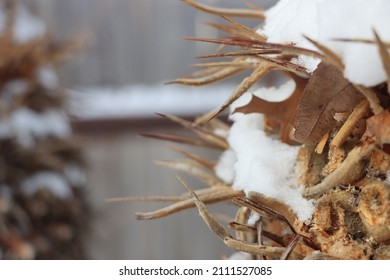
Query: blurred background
116, 84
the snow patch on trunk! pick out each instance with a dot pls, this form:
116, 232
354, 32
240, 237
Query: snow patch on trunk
26, 125
266, 165
53, 181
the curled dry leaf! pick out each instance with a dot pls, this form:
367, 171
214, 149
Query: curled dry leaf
326, 93
283, 112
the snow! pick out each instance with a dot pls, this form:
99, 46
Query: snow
26, 125
10, 91
253, 218
325, 20
287, 21
26, 26
224, 133
266, 165
225, 166
75, 175
48, 78
258, 162
240, 256
53, 181
145, 101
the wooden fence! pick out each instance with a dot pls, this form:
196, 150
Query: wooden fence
131, 41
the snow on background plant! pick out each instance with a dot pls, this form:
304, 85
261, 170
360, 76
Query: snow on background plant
43, 209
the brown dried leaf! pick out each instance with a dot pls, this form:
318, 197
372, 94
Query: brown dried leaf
379, 126
326, 93
283, 112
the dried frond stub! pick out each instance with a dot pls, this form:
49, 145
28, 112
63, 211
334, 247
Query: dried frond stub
374, 210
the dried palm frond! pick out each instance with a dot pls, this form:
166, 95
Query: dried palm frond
343, 160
